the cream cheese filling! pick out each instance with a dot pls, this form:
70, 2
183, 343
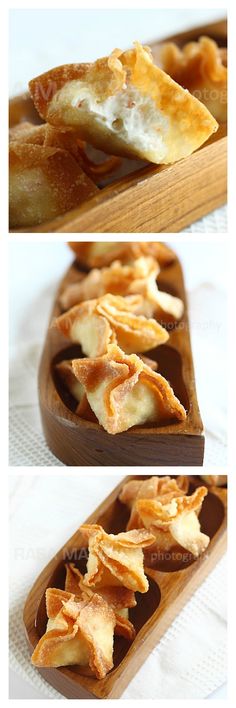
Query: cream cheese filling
128, 114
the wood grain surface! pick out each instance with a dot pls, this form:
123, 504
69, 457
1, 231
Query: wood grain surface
153, 199
169, 590
79, 442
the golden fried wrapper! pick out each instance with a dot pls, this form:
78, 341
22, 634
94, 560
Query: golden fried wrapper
122, 391
140, 277
125, 105
175, 522
116, 560
200, 67
80, 633
96, 254
95, 324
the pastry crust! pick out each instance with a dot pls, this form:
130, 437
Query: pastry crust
102, 253
80, 633
68, 140
118, 279
120, 599
95, 324
44, 182
162, 489
200, 67
116, 560
123, 392
176, 522
124, 105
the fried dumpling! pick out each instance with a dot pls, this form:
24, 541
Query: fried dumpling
217, 480
116, 560
122, 391
96, 254
120, 599
200, 67
137, 278
175, 522
78, 633
64, 370
125, 105
95, 324
68, 140
116, 279
43, 183
162, 489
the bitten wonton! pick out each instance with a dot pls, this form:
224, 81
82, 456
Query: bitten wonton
200, 67
97, 323
122, 391
125, 105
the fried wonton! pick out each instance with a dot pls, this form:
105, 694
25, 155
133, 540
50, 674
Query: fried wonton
43, 183
78, 632
217, 480
116, 560
125, 105
122, 391
102, 253
200, 67
68, 140
118, 279
175, 522
162, 489
95, 324
64, 371
120, 599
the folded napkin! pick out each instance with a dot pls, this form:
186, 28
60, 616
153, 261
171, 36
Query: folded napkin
189, 661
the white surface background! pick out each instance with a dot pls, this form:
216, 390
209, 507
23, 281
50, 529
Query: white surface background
190, 660
41, 39
36, 268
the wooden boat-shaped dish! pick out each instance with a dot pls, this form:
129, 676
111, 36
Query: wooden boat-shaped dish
171, 585
145, 198
80, 442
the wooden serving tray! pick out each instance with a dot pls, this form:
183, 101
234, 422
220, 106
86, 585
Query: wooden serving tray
169, 590
80, 442
142, 197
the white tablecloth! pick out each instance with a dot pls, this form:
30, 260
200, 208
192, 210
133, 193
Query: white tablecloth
35, 269
84, 35
190, 660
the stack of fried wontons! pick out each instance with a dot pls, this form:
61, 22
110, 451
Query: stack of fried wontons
117, 314
93, 608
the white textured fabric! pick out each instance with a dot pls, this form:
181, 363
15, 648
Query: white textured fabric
213, 223
189, 661
30, 303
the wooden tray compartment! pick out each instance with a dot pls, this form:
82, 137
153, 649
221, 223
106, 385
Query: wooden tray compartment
145, 198
79, 442
169, 591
